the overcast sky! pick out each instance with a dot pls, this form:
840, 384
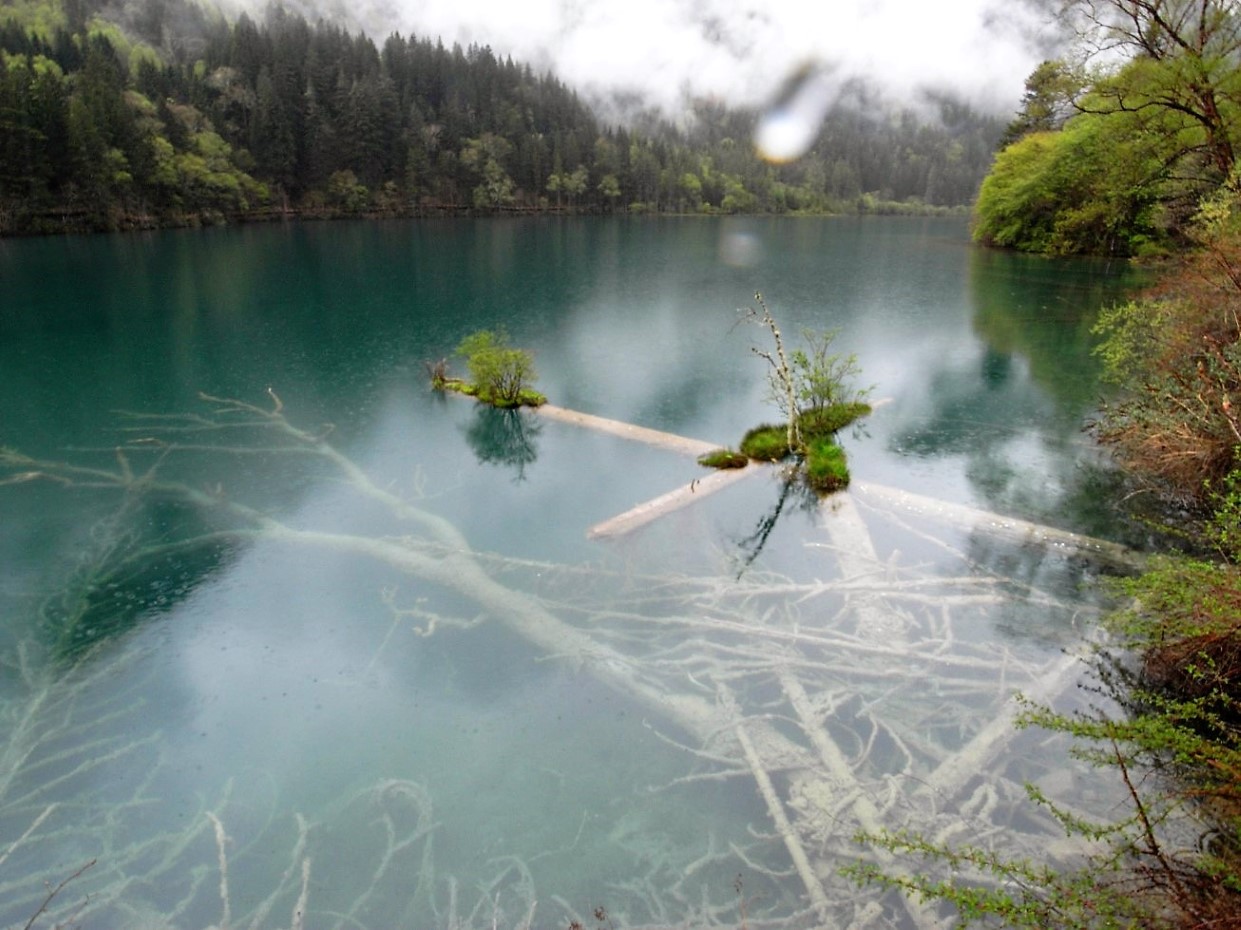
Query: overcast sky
741, 50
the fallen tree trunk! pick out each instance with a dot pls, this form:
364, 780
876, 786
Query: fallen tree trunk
652, 437
682, 497
994, 524
951, 777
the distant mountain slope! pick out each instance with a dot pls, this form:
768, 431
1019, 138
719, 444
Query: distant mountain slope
155, 112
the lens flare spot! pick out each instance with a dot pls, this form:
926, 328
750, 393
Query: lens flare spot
789, 125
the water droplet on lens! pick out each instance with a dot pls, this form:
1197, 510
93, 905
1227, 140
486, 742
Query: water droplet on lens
790, 123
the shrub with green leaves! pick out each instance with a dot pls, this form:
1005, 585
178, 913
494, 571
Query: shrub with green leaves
822, 378
1088, 188
501, 375
827, 421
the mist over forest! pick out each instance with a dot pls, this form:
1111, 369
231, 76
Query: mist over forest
665, 53
159, 112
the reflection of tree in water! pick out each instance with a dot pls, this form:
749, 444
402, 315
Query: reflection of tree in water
793, 494
1016, 410
504, 437
121, 579
997, 367
1020, 463
1043, 312
973, 407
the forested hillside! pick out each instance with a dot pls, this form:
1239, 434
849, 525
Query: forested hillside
162, 111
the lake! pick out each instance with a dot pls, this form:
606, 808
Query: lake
290, 640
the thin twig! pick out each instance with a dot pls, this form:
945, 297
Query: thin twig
54, 892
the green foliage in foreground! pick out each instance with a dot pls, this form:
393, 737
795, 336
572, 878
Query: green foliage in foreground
501, 375
992, 890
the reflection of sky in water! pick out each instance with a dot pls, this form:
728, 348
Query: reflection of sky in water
740, 249
290, 661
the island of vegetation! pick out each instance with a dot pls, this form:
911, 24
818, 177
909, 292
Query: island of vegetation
812, 388
501, 375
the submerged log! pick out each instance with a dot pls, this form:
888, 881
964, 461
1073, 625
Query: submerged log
858, 559
978, 755
1014, 528
652, 437
972, 518
655, 508
784, 828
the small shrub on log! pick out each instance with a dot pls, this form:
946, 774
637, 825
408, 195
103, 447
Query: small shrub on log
501, 375
826, 421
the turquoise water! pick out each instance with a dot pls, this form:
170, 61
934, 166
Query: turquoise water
419, 681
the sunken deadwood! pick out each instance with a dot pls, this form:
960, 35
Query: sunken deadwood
811, 690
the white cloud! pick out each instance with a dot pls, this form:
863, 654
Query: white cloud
742, 50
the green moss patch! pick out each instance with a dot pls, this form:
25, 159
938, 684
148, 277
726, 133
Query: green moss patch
724, 458
526, 397
766, 443
825, 467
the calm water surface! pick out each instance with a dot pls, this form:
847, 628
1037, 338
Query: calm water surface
349, 659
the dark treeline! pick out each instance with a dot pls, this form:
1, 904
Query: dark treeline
163, 112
